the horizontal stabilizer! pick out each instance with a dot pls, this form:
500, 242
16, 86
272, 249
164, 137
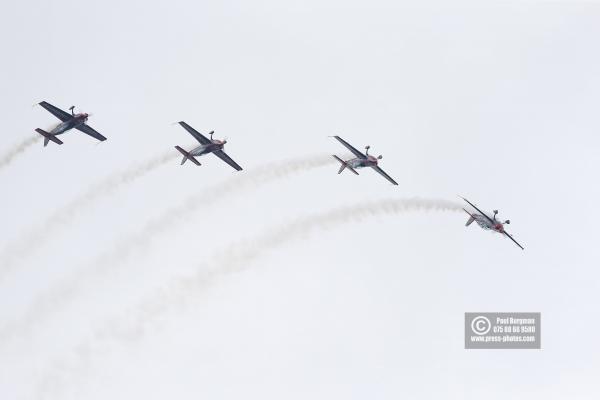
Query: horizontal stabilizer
186, 156
471, 218
351, 169
344, 165
48, 136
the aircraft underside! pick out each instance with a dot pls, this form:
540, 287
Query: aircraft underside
482, 222
202, 150
355, 163
60, 129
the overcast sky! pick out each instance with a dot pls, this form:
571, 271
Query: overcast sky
493, 100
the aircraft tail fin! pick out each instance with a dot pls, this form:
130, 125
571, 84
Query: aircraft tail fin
471, 218
48, 137
186, 156
344, 165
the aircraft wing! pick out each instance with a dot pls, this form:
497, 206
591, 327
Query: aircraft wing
386, 176
480, 212
511, 238
57, 112
349, 147
89, 131
197, 135
221, 154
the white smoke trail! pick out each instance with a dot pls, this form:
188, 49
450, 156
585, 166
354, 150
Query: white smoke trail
237, 256
10, 155
234, 258
52, 300
179, 214
36, 237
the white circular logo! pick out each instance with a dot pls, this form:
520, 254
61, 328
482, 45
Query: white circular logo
480, 325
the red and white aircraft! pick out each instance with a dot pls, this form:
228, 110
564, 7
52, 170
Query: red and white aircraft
489, 223
68, 122
361, 161
206, 146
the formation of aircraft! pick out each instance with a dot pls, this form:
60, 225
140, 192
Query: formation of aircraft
207, 146
489, 223
361, 161
68, 122
215, 146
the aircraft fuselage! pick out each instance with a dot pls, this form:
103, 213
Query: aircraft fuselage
208, 148
78, 119
486, 224
356, 163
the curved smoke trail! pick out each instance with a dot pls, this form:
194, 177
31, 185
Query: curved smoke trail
35, 238
237, 256
52, 300
10, 155
233, 258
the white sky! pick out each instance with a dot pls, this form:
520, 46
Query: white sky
496, 101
